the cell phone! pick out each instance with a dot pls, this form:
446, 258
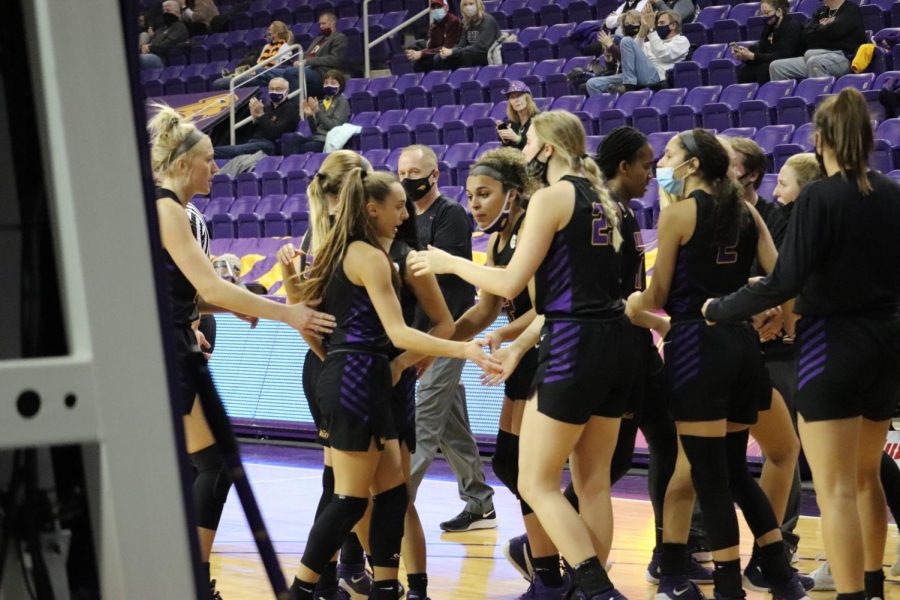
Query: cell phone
501, 126
733, 45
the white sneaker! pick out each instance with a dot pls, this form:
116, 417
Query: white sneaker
895, 568
822, 577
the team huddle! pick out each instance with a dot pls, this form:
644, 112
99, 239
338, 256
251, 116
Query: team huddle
771, 323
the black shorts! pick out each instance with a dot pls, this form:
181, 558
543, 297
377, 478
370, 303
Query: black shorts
403, 408
519, 383
847, 367
185, 348
312, 368
647, 391
584, 369
354, 394
715, 372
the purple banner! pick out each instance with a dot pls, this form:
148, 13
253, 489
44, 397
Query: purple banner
204, 109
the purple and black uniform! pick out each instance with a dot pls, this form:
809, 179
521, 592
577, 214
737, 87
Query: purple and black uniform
839, 259
712, 372
519, 383
354, 387
404, 393
583, 360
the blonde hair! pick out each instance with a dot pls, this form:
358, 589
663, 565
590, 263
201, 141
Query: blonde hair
532, 108
282, 32
564, 131
352, 224
172, 137
805, 166
327, 182
843, 123
479, 14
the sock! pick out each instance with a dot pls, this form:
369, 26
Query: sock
204, 571
302, 590
352, 551
547, 568
853, 596
387, 589
727, 578
774, 563
418, 582
590, 578
673, 559
874, 584
328, 578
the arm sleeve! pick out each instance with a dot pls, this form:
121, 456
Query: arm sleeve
489, 34
668, 52
800, 252
340, 115
334, 59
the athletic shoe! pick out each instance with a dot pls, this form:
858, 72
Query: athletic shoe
791, 589
895, 568
467, 521
696, 572
213, 592
678, 588
538, 591
822, 578
756, 581
411, 595
518, 552
329, 593
354, 580
791, 542
611, 594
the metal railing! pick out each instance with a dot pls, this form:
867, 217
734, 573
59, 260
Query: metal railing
294, 52
367, 45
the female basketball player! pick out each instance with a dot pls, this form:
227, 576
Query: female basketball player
356, 279
573, 237
716, 379
182, 162
840, 256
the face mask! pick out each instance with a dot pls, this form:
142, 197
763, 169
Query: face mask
470, 10
276, 97
438, 14
325, 31
663, 31
772, 20
538, 169
417, 189
499, 224
330, 90
631, 30
170, 18
665, 176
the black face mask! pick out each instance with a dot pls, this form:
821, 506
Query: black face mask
631, 30
538, 170
417, 189
170, 18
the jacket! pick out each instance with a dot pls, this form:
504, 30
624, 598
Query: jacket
326, 119
328, 52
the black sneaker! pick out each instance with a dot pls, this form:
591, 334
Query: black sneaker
213, 592
467, 521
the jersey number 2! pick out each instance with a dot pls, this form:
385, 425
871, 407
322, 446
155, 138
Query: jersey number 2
600, 229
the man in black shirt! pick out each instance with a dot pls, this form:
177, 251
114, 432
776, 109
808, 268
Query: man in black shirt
749, 165
442, 420
831, 37
162, 40
269, 122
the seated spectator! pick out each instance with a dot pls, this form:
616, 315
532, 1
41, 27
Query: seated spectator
520, 109
889, 96
333, 111
480, 31
162, 41
615, 19
646, 57
831, 38
444, 32
781, 38
269, 122
197, 15
278, 39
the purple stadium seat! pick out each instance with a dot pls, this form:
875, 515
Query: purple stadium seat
313, 163
771, 135
519, 70
246, 184
592, 107
448, 91
873, 17
430, 133
513, 52
759, 111
374, 136
460, 130
487, 146
653, 117
357, 84
543, 104
295, 203
217, 206
381, 83
808, 7
861, 81
569, 103
457, 153
551, 13
271, 182
770, 180
222, 187
739, 132
754, 27
477, 89
365, 118
546, 47
522, 18
294, 162
709, 15
782, 152
417, 95
391, 98
658, 141
890, 130
797, 108
689, 74
727, 31
803, 136
720, 115
223, 227
609, 119
743, 11
581, 11
722, 71
578, 62
377, 157
593, 144
546, 67
401, 134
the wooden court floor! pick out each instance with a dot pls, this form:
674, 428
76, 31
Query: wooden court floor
462, 566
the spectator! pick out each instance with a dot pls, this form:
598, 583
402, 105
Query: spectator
615, 18
781, 38
480, 31
831, 38
610, 46
333, 111
163, 40
686, 9
645, 58
278, 39
444, 32
269, 122
748, 166
442, 420
197, 15
519, 110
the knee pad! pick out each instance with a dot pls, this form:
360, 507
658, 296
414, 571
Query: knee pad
327, 489
211, 486
709, 473
331, 528
505, 471
744, 488
386, 531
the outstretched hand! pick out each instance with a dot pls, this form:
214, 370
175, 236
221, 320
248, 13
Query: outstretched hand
434, 261
475, 353
509, 358
308, 321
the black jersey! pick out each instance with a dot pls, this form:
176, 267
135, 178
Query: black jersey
579, 276
182, 292
306, 257
408, 301
634, 270
357, 325
703, 269
839, 256
521, 304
